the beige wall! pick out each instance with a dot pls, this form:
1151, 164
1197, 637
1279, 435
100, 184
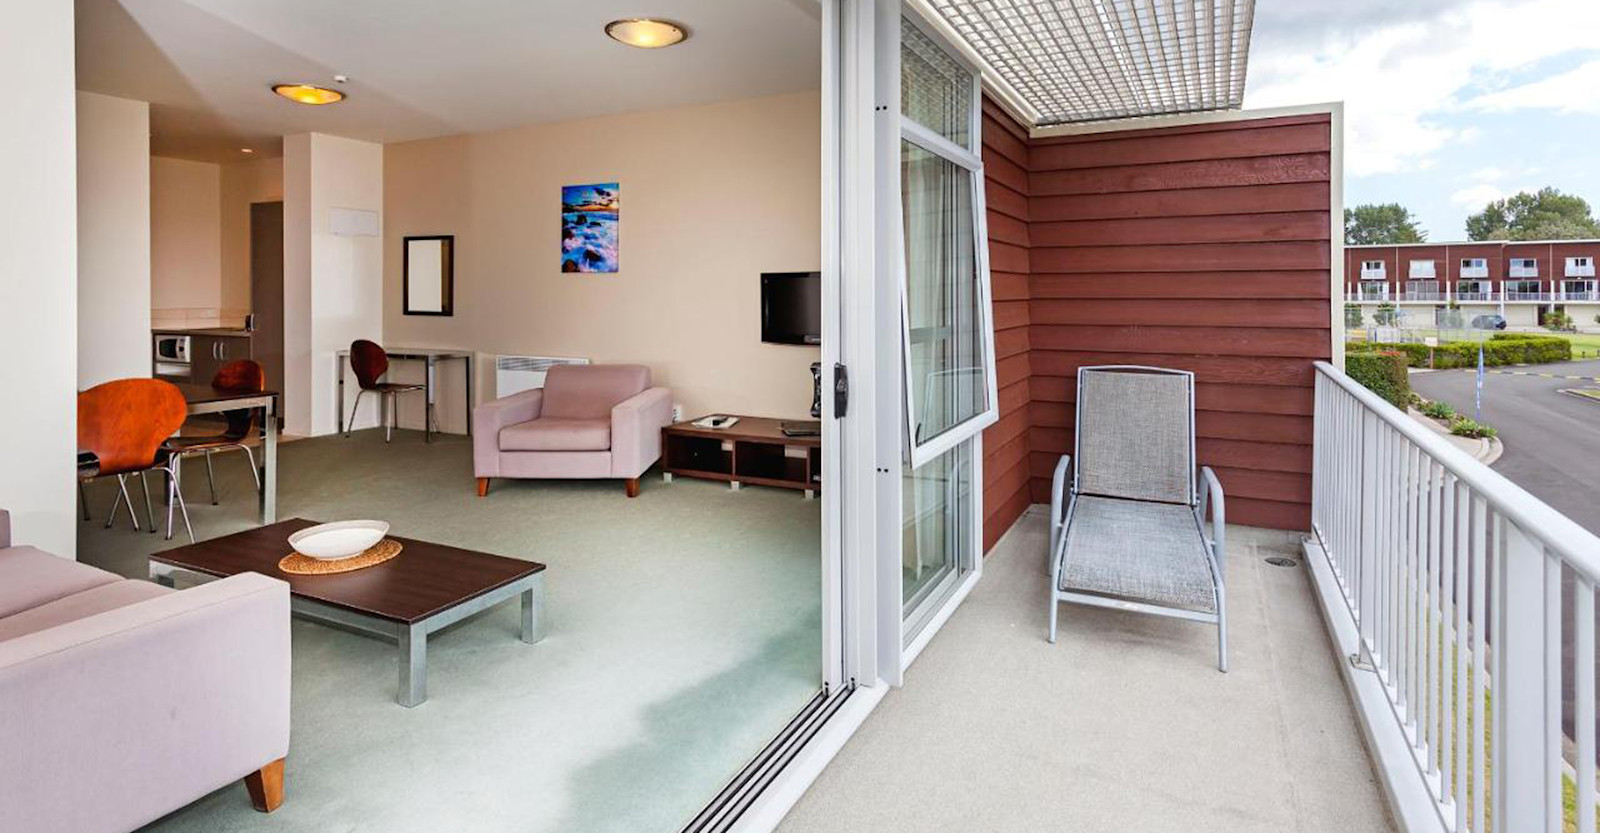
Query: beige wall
243, 183
38, 276
711, 197
113, 238
185, 234
331, 283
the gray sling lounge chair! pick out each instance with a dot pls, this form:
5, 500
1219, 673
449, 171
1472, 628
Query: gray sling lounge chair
1132, 532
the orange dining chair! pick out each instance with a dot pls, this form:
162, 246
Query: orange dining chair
370, 362
240, 375
123, 423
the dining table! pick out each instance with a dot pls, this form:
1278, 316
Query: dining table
209, 399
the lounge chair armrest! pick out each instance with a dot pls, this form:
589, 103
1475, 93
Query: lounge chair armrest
636, 424
517, 408
490, 417
5, 529
1058, 495
1212, 499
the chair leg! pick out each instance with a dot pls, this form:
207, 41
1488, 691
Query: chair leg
633, 487
83, 500
388, 417
483, 487
122, 497
265, 786
1222, 630
254, 472
355, 407
149, 509
211, 478
176, 493
1055, 605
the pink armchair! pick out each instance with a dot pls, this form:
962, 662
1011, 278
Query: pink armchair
588, 422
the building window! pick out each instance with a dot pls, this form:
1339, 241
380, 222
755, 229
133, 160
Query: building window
1524, 267
1372, 269
1474, 267
1580, 267
1421, 269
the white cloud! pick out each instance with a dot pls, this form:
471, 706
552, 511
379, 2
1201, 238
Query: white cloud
1403, 82
1489, 174
1569, 92
1477, 196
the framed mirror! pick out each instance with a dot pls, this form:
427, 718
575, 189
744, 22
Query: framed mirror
427, 268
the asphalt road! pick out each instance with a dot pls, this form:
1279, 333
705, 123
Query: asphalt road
1552, 439
1552, 448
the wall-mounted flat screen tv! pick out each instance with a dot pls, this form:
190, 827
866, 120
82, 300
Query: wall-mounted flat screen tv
791, 307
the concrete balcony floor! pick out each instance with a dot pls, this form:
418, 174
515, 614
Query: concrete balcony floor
1123, 724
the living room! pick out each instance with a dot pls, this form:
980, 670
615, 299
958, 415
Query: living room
677, 626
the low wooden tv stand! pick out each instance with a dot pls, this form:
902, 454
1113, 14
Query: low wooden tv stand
754, 450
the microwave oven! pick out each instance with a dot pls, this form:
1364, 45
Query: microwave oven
172, 349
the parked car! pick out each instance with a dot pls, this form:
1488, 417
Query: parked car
1488, 322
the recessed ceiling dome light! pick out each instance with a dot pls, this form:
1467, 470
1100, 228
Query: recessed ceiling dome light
645, 33
308, 94
247, 150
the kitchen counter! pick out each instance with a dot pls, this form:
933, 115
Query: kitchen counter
204, 331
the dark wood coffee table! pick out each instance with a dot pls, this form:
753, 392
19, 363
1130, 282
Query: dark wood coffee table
424, 588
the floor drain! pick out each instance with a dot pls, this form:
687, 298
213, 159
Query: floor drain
1280, 561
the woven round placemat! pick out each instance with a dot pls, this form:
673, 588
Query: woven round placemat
304, 565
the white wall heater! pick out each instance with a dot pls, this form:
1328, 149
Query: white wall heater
515, 374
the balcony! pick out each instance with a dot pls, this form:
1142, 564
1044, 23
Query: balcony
1423, 291
1422, 558
1578, 291
1479, 269
1523, 268
1374, 273
1580, 267
1369, 292
1124, 724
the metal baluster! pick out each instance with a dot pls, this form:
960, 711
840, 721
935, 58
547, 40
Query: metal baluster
1583, 722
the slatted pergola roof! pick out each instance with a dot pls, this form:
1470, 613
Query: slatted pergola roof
1093, 60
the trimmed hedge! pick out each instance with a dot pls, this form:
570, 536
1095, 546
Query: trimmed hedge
1382, 373
1500, 349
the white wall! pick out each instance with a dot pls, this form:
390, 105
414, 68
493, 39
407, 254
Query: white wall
333, 285
38, 276
185, 234
113, 238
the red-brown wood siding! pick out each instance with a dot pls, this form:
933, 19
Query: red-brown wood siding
1006, 473
1202, 247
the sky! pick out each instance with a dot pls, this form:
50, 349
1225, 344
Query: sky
1449, 104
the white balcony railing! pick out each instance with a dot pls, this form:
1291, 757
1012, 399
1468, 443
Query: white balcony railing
1476, 295
1422, 291
1423, 558
1370, 292
1514, 295
1580, 267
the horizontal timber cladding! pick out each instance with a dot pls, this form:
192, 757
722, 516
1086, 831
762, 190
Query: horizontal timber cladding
1007, 476
1204, 247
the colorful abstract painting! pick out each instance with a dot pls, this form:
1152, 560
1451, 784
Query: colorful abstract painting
589, 227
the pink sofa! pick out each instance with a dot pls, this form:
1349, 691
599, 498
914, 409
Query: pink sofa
121, 700
588, 422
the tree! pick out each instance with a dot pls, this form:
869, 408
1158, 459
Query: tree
1546, 214
1352, 316
1387, 315
1387, 223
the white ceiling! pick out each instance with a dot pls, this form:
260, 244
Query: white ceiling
422, 68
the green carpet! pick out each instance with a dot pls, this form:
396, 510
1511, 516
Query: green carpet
684, 632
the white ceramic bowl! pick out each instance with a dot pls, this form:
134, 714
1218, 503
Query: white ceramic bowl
343, 539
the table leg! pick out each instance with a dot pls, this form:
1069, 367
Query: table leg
413, 665
338, 396
468, 359
161, 576
427, 398
533, 611
269, 463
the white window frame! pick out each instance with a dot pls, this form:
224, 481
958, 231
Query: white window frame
1416, 271
1523, 267
1580, 266
1374, 270
1480, 265
910, 131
